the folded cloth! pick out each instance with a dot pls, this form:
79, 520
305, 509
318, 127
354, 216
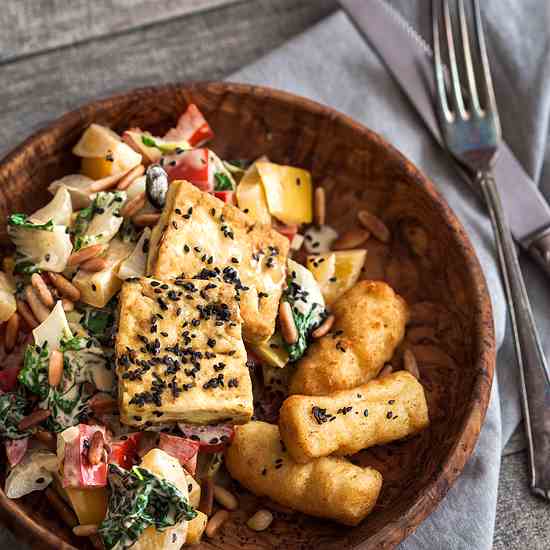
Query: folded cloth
332, 64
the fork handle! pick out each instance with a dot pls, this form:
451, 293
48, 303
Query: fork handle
534, 374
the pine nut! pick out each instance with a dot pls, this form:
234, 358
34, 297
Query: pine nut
319, 206
94, 265
55, 368
85, 530
132, 207
42, 289
95, 451
286, 321
65, 287
215, 522
260, 521
84, 254
145, 220
33, 419
134, 173
68, 305
324, 327
207, 496
63, 510
225, 498
12, 331
388, 369
351, 239
375, 225
39, 310
27, 314
103, 404
410, 364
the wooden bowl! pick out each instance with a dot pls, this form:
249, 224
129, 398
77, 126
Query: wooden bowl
430, 261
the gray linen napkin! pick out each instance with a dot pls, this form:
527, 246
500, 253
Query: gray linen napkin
333, 65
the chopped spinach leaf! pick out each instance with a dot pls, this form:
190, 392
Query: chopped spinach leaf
21, 220
12, 411
304, 325
138, 500
222, 183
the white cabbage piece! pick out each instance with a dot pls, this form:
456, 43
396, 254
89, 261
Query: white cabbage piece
7, 297
135, 264
41, 248
54, 328
319, 239
79, 188
304, 284
59, 209
106, 220
33, 473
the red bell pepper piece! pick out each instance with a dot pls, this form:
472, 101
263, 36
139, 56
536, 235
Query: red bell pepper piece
289, 231
124, 450
8, 378
193, 166
185, 450
192, 127
226, 196
77, 470
211, 439
15, 450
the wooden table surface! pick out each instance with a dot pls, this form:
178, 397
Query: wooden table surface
57, 54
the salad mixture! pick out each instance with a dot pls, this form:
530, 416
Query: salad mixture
173, 321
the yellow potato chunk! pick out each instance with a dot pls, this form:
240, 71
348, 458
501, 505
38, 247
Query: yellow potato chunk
327, 487
337, 272
370, 323
288, 191
104, 153
344, 422
273, 351
195, 528
98, 287
251, 196
90, 505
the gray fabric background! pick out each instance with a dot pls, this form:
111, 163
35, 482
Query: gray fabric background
333, 65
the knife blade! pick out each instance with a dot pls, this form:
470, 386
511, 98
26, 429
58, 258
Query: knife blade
408, 58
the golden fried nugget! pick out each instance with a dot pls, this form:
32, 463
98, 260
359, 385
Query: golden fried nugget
370, 323
200, 236
345, 422
326, 487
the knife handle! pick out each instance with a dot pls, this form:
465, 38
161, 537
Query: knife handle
534, 374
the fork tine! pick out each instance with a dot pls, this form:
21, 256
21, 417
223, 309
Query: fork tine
456, 93
468, 62
487, 81
442, 104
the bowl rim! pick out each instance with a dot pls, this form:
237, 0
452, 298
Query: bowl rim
483, 344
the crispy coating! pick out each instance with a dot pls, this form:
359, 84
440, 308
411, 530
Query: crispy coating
345, 422
370, 323
180, 355
326, 487
199, 234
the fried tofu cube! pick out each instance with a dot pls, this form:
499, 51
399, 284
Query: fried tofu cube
348, 421
327, 487
200, 236
370, 324
180, 354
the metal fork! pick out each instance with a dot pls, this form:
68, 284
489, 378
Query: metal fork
470, 125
